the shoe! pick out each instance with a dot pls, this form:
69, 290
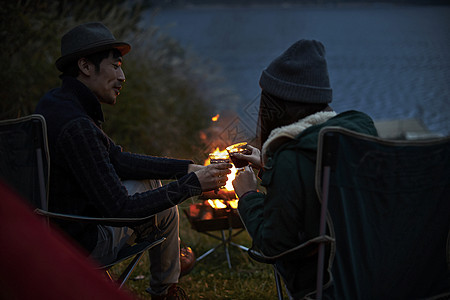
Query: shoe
174, 293
187, 260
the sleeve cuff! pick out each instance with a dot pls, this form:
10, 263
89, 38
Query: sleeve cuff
248, 193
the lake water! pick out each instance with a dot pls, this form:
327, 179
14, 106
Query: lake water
389, 61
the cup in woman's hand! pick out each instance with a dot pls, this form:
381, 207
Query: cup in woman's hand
238, 148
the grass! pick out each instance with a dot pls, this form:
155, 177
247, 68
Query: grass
211, 277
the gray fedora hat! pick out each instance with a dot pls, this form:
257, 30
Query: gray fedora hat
87, 39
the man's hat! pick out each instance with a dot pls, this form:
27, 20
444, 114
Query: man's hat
87, 39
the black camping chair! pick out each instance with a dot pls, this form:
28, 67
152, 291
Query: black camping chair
388, 211
385, 219
25, 166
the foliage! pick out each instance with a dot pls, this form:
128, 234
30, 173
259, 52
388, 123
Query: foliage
26, 70
162, 107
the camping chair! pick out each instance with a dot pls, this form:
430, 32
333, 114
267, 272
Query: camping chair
385, 218
388, 210
25, 166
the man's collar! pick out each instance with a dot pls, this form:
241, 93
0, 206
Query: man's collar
85, 96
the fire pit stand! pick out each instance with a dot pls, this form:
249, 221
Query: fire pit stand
225, 241
204, 218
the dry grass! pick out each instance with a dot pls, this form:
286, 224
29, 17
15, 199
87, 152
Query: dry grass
211, 278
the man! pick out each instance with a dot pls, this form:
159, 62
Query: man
90, 175
294, 107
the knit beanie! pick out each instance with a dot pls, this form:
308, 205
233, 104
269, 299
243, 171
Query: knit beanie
300, 74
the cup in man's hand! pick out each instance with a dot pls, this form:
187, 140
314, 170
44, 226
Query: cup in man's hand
219, 157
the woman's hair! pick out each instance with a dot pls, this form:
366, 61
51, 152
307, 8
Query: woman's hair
71, 69
275, 112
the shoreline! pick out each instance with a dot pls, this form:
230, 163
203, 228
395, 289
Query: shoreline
404, 129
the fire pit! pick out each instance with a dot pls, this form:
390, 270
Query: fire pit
213, 215
216, 215
217, 212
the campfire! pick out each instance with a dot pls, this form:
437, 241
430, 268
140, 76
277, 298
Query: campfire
222, 156
218, 210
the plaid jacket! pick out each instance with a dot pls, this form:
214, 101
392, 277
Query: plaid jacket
87, 168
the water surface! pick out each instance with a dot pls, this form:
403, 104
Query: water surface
390, 61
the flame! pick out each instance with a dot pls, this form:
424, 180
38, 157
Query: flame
203, 136
215, 118
219, 204
231, 176
218, 154
216, 203
233, 203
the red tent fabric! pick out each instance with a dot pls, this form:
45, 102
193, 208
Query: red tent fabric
36, 262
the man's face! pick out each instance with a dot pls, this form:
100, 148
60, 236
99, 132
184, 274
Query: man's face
107, 82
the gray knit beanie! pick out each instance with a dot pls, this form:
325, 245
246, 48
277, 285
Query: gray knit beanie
300, 74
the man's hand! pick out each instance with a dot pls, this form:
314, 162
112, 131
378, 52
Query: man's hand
254, 158
212, 176
194, 167
245, 181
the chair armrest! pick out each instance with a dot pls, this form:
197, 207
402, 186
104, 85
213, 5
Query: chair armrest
130, 251
259, 257
115, 222
305, 249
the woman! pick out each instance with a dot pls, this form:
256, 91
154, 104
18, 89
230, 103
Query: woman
294, 107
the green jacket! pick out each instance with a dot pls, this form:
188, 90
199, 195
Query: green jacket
288, 214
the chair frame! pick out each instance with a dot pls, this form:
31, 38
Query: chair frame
43, 161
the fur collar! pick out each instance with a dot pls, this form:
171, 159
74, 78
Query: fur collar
280, 135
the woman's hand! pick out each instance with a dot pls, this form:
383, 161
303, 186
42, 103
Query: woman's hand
212, 176
245, 181
254, 158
